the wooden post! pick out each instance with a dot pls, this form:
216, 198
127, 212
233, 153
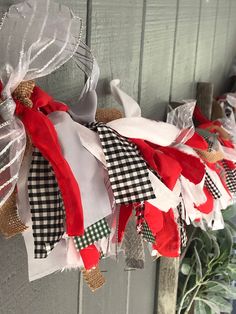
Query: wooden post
168, 268
167, 285
205, 98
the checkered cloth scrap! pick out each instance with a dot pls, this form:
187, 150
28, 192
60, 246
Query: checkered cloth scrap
127, 170
147, 233
211, 186
230, 176
93, 233
46, 205
181, 224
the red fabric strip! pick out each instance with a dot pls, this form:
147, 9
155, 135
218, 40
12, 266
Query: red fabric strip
90, 256
44, 137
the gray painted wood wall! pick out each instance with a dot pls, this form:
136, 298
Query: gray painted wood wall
159, 49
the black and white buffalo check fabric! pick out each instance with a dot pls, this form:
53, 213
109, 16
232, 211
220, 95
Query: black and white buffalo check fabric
127, 170
211, 186
230, 176
46, 206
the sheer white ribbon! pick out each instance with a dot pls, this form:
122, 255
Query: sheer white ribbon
37, 37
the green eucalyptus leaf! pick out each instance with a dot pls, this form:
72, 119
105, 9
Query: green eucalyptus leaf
226, 241
216, 249
231, 270
198, 264
200, 307
229, 212
232, 228
223, 304
221, 288
214, 307
185, 268
207, 241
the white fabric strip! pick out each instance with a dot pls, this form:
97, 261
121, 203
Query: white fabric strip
130, 106
159, 133
87, 170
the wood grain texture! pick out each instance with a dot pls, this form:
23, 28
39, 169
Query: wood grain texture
218, 74
230, 42
142, 288
54, 294
204, 96
205, 40
157, 57
185, 50
167, 285
115, 40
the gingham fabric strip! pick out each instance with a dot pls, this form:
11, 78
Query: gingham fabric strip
93, 233
46, 206
230, 177
147, 233
181, 224
127, 170
213, 189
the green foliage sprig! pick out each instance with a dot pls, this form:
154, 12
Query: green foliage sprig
207, 270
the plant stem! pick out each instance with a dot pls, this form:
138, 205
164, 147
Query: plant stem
187, 279
184, 297
192, 300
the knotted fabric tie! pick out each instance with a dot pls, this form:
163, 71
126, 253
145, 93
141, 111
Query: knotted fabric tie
44, 137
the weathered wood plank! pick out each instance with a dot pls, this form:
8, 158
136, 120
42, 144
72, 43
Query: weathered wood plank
157, 57
205, 97
230, 43
142, 288
167, 285
54, 294
185, 50
205, 40
218, 75
116, 39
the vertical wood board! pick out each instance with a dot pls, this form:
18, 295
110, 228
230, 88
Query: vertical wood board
116, 39
157, 57
205, 40
185, 50
218, 74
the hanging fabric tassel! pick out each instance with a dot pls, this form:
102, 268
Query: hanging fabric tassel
133, 245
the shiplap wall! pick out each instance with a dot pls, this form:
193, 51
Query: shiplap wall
159, 49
